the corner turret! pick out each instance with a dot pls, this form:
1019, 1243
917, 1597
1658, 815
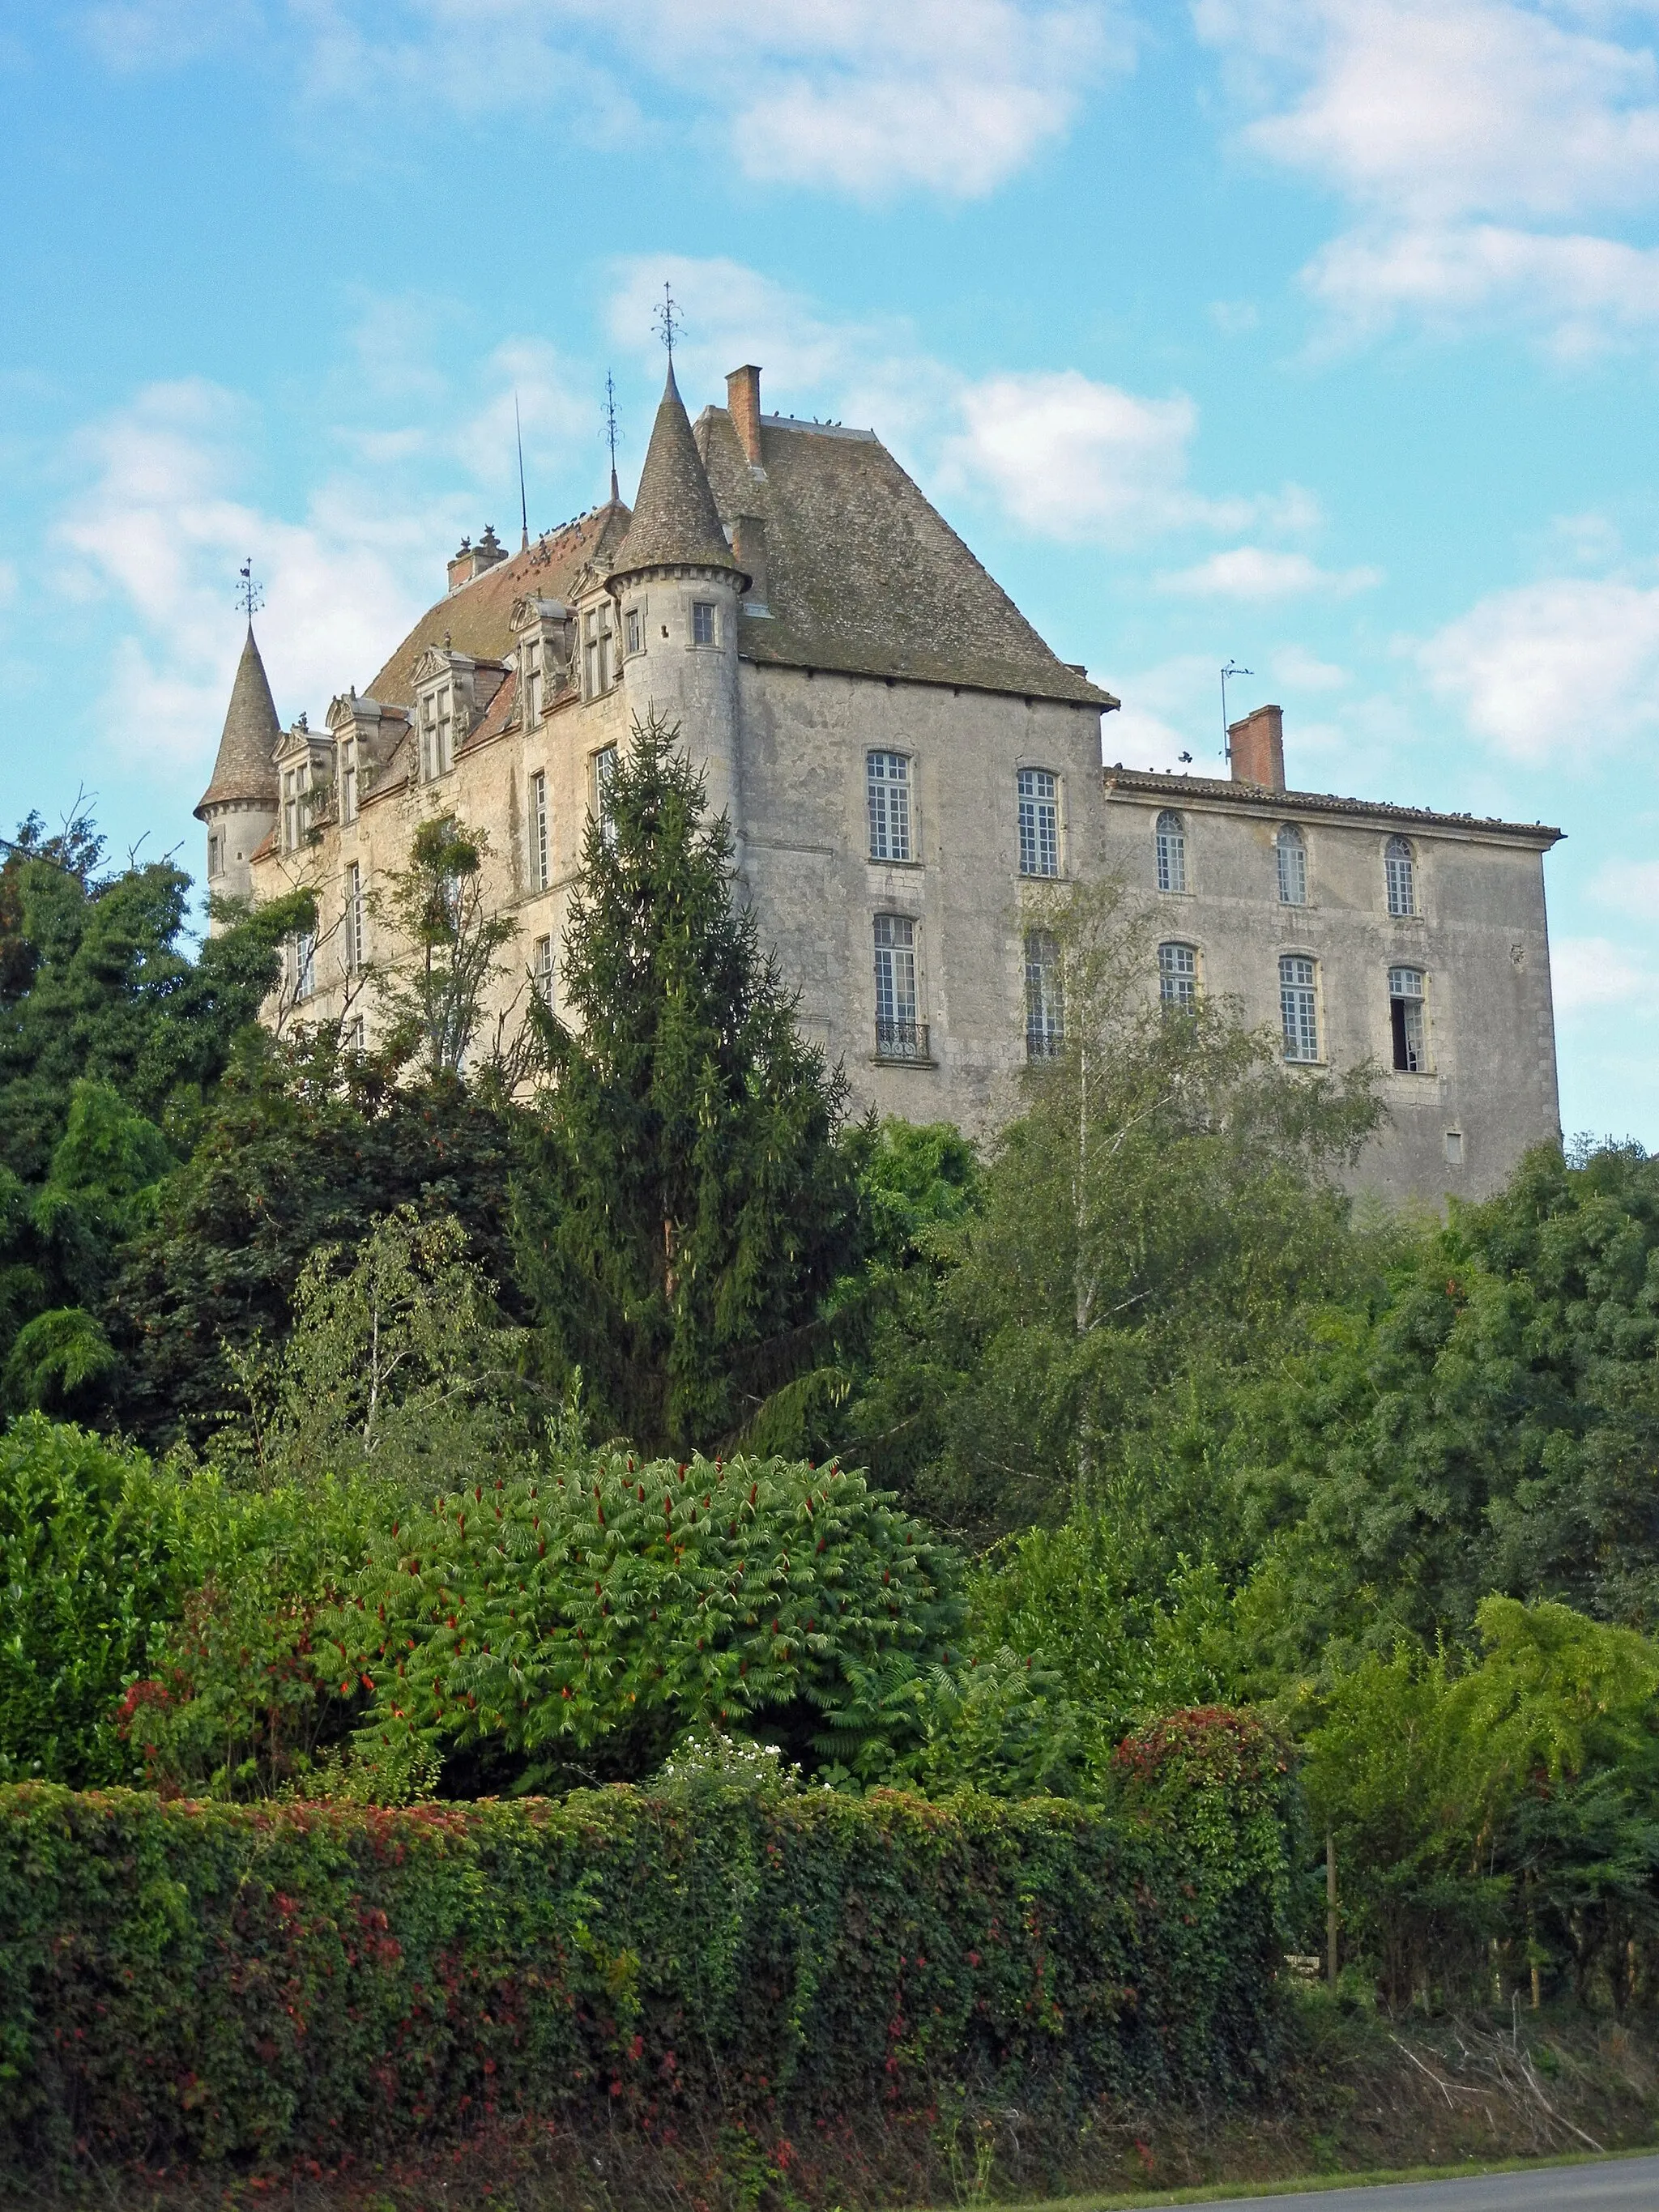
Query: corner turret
239, 804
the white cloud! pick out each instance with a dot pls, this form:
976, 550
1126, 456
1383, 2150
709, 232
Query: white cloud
1485, 146
1255, 573
1551, 672
1586, 972
1629, 887
949, 96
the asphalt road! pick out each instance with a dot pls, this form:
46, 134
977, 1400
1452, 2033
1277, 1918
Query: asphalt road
1625, 2184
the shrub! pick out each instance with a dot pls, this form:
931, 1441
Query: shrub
198, 1982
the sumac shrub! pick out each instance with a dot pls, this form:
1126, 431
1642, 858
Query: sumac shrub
185, 1981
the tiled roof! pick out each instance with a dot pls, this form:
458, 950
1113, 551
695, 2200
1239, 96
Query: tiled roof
244, 767
675, 519
863, 574
1149, 783
477, 619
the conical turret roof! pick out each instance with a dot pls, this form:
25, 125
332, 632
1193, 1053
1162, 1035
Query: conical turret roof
675, 521
244, 768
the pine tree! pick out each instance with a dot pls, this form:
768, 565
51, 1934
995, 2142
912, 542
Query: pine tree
683, 1197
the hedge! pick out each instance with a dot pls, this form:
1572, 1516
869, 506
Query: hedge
189, 1982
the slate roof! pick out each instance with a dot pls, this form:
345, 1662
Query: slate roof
863, 575
676, 522
477, 619
1149, 782
244, 767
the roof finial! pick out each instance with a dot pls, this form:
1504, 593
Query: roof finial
250, 595
610, 428
524, 505
667, 320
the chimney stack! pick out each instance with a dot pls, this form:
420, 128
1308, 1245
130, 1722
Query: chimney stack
743, 402
1257, 746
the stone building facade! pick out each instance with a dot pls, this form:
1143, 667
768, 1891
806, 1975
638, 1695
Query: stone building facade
906, 766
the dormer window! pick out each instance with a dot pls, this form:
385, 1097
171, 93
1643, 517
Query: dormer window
597, 641
532, 679
349, 781
294, 808
437, 732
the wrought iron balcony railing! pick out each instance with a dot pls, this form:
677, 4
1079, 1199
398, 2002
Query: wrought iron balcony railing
902, 1040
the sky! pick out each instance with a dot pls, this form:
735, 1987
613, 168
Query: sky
1316, 336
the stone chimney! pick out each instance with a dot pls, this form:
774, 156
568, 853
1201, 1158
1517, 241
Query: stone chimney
1257, 747
472, 560
743, 402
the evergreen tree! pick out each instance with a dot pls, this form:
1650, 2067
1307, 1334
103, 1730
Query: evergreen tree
683, 1199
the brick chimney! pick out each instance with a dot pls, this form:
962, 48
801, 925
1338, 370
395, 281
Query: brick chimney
472, 560
1257, 746
743, 401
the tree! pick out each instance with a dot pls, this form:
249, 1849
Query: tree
681, 1200
434, 992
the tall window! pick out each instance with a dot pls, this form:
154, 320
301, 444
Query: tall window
1177, 978
541, 971
1171, 841
354, 918
541, 870
357, 1035
305, 965
293, 807
899, 1035
633, 631
213, 853
1411, 1053
1293, 866
596, 650
604, 776
532, 681
702, 622
1045, 997
1400, 869
349, 781
1298, 1006
1039, 823
887, 780
437, 733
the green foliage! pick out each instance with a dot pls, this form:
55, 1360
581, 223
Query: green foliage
448, 958
93, 1564
578, 1622
199, 1982
681, 1204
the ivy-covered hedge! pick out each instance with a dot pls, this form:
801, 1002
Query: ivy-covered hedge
196, 1982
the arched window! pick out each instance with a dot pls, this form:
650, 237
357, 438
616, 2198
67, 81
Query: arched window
1172, 852
1045, 997
1400, 868
1411, 1050
1293, 866
1177, 978
1298, 1006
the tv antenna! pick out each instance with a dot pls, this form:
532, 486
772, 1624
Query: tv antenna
524, 504
610, 432
250, 595
1231, 669
669, 323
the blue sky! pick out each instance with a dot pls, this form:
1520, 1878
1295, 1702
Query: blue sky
1316, 334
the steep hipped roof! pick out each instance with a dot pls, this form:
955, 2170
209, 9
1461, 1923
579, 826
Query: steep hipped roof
477, 618
244, 768
1149, 783
863, 575
675, 521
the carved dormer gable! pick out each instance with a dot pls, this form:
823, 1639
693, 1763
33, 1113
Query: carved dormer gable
304, 779
599, 663
542, 629
365, 736
446, 708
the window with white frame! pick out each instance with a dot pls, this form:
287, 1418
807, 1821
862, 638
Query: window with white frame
1400, 869
349, 781
532, 681
305, 965
1170, 837
354, 918
1292, 854
1045, 996
597, 641
1177, 978
541, 858
604, 777
357, 1036
1411, 1049
702, 622
437, 732
293, 802
541, 971
1298, 1006
900, 1033
1038, 792
887, 787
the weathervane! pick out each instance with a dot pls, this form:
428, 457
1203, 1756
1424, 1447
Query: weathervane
1231, 669
249, 596
667, 320
611, 427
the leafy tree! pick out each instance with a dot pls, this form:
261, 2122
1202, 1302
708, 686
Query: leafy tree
681, 1203
580, 1621
434, 990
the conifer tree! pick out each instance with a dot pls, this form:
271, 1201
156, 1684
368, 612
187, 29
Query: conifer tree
683, 1197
